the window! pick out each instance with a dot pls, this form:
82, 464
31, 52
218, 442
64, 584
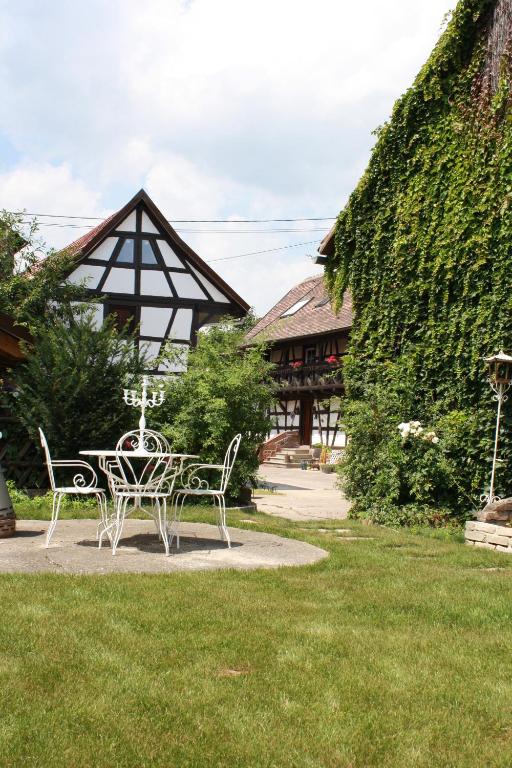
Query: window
309, 354
147, 255
125, 316
295, 307
125, 255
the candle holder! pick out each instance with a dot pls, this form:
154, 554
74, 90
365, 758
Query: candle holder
142, 401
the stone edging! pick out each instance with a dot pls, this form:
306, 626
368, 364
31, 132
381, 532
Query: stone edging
489, 536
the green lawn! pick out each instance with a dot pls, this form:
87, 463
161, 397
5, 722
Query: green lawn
393, 652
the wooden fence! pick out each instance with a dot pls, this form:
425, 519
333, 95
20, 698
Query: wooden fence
20, 458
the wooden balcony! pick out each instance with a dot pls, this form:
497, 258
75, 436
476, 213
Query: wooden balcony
308, 377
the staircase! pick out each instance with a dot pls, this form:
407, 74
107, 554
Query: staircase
277, 444
290, 457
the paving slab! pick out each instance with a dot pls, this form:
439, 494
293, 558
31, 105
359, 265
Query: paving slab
301, 494
74, 549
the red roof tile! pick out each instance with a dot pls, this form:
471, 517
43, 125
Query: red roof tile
76, 246
313, 318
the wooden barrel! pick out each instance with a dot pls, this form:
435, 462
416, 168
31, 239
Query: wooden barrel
7, 518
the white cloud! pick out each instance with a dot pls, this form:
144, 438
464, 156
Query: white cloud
45, 188
220, 109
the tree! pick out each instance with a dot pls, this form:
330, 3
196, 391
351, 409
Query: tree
72, 380
29, 293
226, 389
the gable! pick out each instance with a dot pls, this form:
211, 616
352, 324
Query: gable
138, 259
139, 239
145, 272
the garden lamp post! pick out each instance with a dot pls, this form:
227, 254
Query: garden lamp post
500, 380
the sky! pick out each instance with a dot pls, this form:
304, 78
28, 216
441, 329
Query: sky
220, 109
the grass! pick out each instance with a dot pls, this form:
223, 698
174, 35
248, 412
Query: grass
392, 653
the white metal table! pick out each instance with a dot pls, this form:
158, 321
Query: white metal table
105, 456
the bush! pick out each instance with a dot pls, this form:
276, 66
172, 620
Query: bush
226, 389
427, 472
71, 384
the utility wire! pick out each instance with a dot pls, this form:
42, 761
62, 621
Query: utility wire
267, 250
231, 231
205, 231
180, 221
272, 230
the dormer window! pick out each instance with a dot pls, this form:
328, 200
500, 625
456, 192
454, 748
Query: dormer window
295, 307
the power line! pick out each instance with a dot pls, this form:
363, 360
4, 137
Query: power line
206, 231
180, 221
268, 250
272, 230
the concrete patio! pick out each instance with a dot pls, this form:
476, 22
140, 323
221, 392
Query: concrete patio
301, 494
74, 550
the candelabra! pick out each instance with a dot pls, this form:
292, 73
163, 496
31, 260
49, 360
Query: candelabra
500, 380
142, 401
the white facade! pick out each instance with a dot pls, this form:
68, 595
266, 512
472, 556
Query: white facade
147, 276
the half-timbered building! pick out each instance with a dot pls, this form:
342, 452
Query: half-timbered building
307, 340
147, 276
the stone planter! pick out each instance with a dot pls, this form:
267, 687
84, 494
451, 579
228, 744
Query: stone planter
7, 517
489, 536
493, 527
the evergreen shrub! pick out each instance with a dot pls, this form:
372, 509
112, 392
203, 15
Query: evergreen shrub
71, 385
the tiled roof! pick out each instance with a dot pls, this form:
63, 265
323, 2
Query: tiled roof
86, 243
315, 317
326, 247
76, 246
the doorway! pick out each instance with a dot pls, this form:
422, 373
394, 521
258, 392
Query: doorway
306, 420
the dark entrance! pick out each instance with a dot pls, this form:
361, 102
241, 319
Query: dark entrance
306, 420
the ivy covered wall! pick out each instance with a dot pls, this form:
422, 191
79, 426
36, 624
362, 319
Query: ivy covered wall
425, 241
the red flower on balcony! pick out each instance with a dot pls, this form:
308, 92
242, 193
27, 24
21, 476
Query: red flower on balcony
296, 364
331, 359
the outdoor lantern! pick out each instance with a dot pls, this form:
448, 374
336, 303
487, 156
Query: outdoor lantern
500, 380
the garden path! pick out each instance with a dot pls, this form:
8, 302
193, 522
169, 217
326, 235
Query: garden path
301, 494
74, 549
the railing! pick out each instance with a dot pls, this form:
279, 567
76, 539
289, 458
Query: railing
308, 376
277, 443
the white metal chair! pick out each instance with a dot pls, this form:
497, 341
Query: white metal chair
143, 469
195, 485
79, 486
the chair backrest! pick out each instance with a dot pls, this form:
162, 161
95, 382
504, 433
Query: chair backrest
48, 458
142, 462
229, 460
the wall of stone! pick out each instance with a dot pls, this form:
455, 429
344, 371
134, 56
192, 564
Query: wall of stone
489, 536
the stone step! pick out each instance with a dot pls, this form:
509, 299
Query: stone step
288, 464
286, 460
295, 459
295, 452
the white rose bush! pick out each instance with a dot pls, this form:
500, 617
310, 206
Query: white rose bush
414, 429
405, 464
